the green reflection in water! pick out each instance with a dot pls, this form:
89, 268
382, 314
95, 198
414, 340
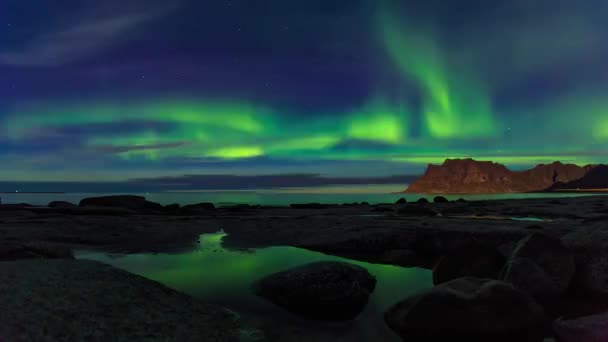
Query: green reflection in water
214, 274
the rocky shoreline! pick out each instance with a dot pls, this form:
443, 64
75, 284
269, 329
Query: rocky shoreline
551, 252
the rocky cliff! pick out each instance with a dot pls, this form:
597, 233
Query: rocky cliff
471, 176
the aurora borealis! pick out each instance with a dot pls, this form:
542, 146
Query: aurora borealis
115, 90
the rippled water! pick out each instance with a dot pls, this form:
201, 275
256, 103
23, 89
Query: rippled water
223, 276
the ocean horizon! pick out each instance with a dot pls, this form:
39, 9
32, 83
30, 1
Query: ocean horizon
330, 194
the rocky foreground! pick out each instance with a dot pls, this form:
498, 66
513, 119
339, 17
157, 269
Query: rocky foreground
69, 300
542, 275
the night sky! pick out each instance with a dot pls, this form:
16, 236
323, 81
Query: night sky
118, 89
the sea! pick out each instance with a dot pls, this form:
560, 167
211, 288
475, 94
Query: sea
333, 194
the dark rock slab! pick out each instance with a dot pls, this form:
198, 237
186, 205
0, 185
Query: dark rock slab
121, 201
76, 300
592, 328
33, 250
468, 309
331, 291
471, 260
61, 204
541, 266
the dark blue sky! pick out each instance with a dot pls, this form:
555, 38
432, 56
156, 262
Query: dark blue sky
113, 90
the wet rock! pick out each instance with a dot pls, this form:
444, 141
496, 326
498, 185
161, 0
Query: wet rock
332, 291
34, 250
61, 204
422, 200
469, 261
401, 201
440, 199
541, 266
77, 300
416, 210
121, 201
468, 309
592, 328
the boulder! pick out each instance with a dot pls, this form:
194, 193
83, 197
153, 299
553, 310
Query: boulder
121, 201
592, 328
78, 300
440, 199
471, 260
331, 291
589, 244
541, 266
468, 309
61, 204
401, 201
422, 200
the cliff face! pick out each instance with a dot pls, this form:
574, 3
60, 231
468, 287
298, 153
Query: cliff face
470, 176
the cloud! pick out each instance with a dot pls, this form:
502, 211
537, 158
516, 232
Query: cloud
129, 148
91, 34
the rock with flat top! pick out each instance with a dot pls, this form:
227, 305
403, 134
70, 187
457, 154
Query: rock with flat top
121, 201
331, 291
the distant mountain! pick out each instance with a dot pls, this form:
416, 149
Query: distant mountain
471, 176
596, 178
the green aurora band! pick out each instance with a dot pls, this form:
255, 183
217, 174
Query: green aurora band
456, 117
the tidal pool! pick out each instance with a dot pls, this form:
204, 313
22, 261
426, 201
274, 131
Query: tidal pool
215, 274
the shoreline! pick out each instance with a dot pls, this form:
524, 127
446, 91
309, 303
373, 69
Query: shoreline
85, 225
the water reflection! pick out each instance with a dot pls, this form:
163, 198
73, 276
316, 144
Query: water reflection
224, 276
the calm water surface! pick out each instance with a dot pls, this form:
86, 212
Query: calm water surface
285, 196
223, 276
